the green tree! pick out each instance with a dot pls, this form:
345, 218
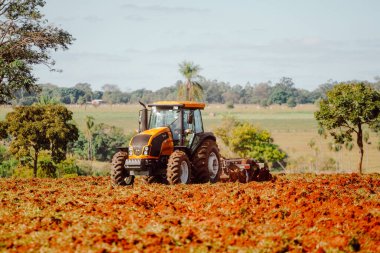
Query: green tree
322, 89
258, 93
347, 108
86, 88
80, 146
291, 102
37, 128
113, 95
46, 100
193, 89
26, 39
70, 95
282, 91
105, 141
246, 140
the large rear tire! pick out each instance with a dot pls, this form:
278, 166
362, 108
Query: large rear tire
206, 162
119, 175
179, 168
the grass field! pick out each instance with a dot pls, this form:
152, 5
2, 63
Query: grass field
292, 129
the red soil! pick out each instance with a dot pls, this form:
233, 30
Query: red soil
295, 213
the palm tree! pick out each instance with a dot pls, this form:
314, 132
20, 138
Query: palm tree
193, 89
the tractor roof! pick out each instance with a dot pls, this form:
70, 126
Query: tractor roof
183, 104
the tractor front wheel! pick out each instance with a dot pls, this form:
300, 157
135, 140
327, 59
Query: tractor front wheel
120, 176
179, 168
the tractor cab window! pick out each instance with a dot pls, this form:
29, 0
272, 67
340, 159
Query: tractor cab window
166, 118
188, 120
188, 126
198, 124
193, 121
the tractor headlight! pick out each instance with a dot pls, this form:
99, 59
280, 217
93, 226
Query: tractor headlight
130, 151
146, 150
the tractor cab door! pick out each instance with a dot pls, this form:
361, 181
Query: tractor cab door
192, 125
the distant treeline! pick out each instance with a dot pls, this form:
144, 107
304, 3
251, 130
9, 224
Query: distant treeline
265, 93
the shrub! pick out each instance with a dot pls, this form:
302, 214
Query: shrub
23, 171
7, 167
46, 167
291, 102
7, 162
84, 168
247, 140
68, 167
230, 105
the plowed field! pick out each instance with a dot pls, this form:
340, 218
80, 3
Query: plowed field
299, 213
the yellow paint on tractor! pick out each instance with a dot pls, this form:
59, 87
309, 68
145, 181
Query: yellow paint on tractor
184, 104
167, 146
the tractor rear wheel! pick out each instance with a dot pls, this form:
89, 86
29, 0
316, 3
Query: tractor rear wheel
120, 176
206, 162
179, 168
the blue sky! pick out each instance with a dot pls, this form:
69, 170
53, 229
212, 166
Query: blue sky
139, 43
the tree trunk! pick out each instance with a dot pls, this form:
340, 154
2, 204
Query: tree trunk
361, 149
188, 84
35, 162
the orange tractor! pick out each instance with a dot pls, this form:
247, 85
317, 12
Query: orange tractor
172, 147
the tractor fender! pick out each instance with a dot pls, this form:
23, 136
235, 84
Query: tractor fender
199, 139
184, 149
122, 149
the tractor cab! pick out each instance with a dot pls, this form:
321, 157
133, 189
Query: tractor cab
184, 120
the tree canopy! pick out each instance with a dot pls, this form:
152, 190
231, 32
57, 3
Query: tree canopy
347, 108
282, 91
26, 39
214, 91
37, 128
249, 141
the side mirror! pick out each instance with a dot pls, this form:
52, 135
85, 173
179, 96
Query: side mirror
143, 120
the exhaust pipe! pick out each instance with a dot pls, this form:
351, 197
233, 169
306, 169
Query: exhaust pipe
143, 118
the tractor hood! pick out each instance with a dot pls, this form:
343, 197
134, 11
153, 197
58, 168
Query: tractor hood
151, 143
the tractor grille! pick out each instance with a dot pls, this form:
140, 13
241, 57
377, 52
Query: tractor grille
138, 142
